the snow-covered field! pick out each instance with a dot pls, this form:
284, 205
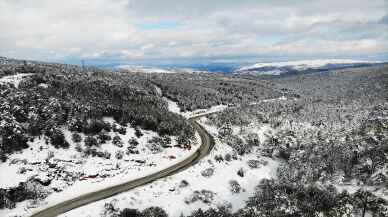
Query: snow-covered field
204, 185
14, 79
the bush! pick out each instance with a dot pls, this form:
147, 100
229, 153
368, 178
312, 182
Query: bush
57, 138
95, 126
29, 190
205, 196
138, 132
154, 212
240, 172
117, 141
119, 129
133, 142
234, 186
155, 144
90, 141
130, 213
207, 172
75, 137
228, 157
103, 137
119, 155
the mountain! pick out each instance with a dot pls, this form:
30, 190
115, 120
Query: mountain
304, 66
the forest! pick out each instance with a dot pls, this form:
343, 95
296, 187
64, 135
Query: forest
329, 129
331, 138
334, 134
203, 90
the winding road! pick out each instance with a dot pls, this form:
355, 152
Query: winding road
207, 143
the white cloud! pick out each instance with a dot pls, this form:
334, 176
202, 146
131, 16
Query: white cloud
104, 29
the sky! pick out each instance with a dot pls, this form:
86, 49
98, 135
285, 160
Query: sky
193, 30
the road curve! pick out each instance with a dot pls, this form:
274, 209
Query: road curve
207, 143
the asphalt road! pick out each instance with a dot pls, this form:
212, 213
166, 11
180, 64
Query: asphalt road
65, 206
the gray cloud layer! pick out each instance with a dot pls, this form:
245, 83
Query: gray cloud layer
173, 29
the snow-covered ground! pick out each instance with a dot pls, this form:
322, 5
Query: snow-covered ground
199, 112
191, 189
304, 64
14, 79
80, 174
278, 68
143, 69
75, 174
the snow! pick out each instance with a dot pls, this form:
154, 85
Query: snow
168, 194
199, 112
14, 79
143, 69
304, 64
9, 176
110, 171
165, 193
173, 106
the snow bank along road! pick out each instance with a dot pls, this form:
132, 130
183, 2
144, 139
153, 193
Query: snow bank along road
207, 143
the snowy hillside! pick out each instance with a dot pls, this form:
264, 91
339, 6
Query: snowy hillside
278, 68
214, 181
13, 79
143, 69
67, 173
172, 69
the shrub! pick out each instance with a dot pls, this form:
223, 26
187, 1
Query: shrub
95, 126
75, 137
119, 129
207, 172
133, 142
154, 212
117, 141
103, 137
130, 213
119, 155
228, 157
138, 132
90, 141
240, 172
57, 138
234, 186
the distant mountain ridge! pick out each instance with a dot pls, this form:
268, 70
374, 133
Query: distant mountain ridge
304, 66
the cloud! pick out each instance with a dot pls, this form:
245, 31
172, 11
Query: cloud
132, 30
